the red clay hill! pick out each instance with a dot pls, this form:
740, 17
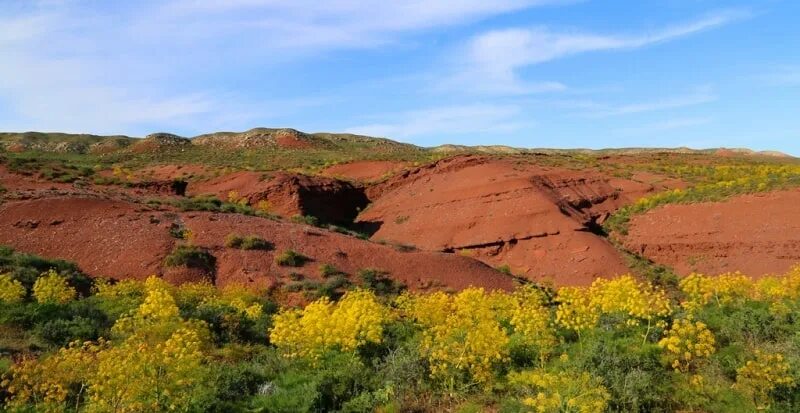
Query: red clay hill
434, 218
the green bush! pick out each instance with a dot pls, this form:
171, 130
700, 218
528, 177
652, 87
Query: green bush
192, 257
249, 242
305, 219
291, 258
328, 270
379, 282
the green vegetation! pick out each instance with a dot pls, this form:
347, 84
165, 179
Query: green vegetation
192, 257
291, 258
713, 183
248, 242
305, 219
715, 344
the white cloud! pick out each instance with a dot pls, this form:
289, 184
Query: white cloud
491, 60
446, 120
123, 68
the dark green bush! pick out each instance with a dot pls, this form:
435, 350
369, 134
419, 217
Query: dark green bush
192, 257
291, 258
249, 242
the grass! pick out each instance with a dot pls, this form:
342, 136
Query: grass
328, 270
291, 258
247, 242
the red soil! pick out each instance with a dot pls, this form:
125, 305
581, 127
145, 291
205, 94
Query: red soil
756, 234
364, 171
122, 240
536, 220
16, 182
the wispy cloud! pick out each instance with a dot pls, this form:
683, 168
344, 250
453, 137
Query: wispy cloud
491, 60
117, 69
445, 120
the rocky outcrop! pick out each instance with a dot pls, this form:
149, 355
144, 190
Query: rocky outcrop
539, 221
256, 138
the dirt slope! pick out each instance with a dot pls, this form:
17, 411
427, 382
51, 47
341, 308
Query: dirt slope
123, 240
536, 220
756, 234
364, 171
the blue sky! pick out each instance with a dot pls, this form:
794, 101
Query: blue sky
534, 73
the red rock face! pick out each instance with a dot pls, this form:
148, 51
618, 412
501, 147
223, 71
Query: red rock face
536, 220
123, 240
755, 234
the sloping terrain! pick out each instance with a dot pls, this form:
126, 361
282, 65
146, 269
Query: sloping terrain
364, 171
538, 221
124, 240
755, 234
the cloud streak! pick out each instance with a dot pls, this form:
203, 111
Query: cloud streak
491, 60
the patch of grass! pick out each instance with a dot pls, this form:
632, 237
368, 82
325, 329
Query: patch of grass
291, 258
305, 219
192, 257
328, 270
248, 242
505, 269
401, 219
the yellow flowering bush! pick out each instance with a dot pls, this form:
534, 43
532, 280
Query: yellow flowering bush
50, 383
140, 375
722, 290
357, 319
11, 290
53, 288
462, 333
532, 320
687, 343
563, 391
576, 310
631, 298
761, 376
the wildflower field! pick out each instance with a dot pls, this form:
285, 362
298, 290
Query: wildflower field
726, 343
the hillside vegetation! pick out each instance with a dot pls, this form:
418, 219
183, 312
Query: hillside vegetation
718, 344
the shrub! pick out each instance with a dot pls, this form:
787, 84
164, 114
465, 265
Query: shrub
377, 281
52, 288
249, 242
291, 258
190, 256
305, 219
11, 290
328, 270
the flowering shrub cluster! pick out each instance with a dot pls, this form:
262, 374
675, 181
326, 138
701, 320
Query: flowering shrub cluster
725, 343
11, 290
558, 392
357, 319
53, 288
686, 343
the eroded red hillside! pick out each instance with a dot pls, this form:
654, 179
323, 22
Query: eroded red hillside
756, 234
537, 220
125, 240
